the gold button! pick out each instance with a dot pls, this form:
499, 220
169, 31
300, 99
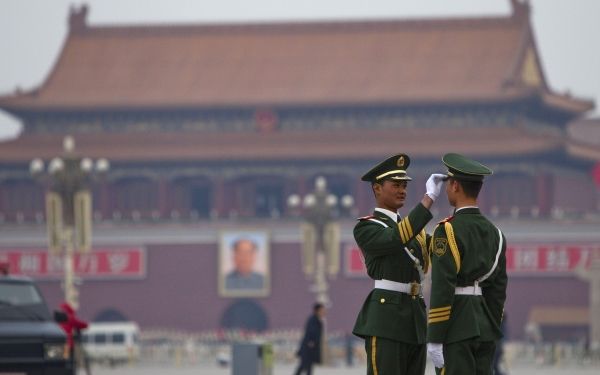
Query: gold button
412, 251
382, 300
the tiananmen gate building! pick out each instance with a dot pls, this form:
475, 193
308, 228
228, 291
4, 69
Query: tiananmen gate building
210, 128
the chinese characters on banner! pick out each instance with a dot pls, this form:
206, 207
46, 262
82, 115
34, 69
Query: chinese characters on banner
521, 259
99, 264
550, 258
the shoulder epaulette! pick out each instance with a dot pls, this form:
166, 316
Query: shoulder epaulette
366, 217
446, 220
374, 219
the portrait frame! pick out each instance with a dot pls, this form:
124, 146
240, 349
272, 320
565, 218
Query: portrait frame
231, 282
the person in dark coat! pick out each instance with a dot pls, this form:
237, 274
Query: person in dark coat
310, 347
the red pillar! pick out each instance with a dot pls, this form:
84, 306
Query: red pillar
104, 202
295, 186
2, 194
219, 205
545, 192
163, 198
247, 207
301, 182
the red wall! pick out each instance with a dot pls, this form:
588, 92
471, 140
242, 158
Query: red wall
180, 292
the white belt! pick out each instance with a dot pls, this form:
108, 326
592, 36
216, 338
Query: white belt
474, 290
413, 289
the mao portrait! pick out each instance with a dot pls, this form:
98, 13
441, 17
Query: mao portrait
244, 264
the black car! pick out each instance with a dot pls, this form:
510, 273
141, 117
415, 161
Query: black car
31, 341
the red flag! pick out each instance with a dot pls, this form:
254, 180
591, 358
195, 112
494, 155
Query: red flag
596, 174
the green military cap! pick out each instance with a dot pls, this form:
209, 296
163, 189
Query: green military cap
392, 168
463, 168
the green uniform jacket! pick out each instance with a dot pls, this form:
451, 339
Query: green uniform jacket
393, 315
463, 249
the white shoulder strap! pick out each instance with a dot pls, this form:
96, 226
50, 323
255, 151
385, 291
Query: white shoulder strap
500, 241
417, 264
379, 222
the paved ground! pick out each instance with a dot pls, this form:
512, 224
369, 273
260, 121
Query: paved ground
289, 369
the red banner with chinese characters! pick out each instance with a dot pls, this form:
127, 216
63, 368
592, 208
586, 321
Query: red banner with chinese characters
101, 263
562, 258
542, 259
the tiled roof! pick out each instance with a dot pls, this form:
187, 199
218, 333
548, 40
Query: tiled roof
584, 139
327, 63
284, 146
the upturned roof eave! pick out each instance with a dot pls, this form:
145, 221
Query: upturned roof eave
277, 146
23, 103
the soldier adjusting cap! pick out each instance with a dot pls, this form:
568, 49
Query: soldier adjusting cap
462, 168
392, 168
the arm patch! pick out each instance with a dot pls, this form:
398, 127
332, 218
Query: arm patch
439, 247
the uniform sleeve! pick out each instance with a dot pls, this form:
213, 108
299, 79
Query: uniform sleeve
423, 240
443, 282
377, 240
495, 292
413, 223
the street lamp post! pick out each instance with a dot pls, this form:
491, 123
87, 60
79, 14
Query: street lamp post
320, 242
69, 207
321, 235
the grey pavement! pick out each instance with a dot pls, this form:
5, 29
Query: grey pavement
288, 369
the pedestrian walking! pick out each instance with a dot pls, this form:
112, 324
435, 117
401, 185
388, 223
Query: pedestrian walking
310, 346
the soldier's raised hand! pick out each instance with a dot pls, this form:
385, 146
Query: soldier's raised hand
434, 185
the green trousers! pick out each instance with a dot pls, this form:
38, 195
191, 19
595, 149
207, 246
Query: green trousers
389, 357
468, 357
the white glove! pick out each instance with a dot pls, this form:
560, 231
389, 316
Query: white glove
436, 353
434, 185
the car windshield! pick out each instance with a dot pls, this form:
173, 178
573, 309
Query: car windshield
19, 294
21, 301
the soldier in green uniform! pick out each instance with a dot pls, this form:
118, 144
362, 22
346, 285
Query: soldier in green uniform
468, 278
392, 319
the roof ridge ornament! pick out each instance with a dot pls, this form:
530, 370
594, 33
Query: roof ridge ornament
520, 8
78, 17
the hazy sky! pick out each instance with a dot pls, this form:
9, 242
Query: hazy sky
32, 31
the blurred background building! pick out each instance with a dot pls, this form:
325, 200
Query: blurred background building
211, 128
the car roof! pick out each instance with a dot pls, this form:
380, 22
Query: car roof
16, 279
